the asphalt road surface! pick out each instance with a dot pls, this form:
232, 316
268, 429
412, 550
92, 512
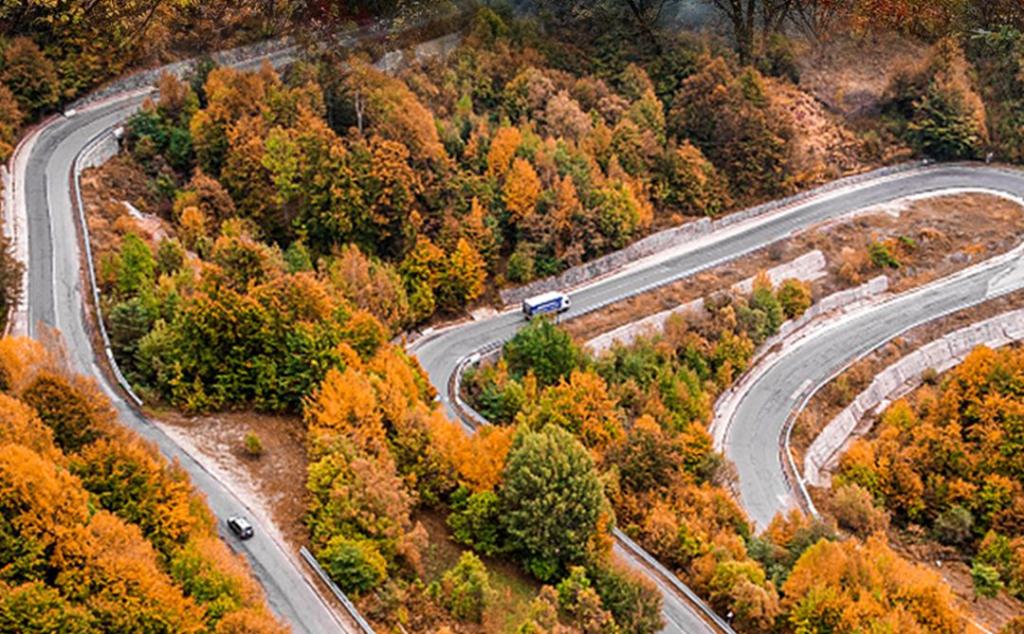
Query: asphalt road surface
55, 299
753, 440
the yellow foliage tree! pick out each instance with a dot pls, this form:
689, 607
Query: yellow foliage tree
581, 405
503, 148
346, 404
478, 459
522, 189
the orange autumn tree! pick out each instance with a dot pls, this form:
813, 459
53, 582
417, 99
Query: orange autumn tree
948, 458
386, 106
503, 148
477, 459
96, 522
362, 477
582, 406
852, 587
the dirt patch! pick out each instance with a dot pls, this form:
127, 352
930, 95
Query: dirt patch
272, 484
992, 614
823, 148
928, 239
848, 82
106, 189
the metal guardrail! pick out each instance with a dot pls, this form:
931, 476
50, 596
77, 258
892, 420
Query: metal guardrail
76, 173
679, 586
336, 591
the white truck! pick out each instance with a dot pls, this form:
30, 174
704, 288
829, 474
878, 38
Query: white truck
551, 302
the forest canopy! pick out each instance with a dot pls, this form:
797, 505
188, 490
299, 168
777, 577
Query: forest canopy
98, 531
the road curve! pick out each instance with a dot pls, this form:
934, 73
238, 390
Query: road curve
54, 299
441, 353
756, 436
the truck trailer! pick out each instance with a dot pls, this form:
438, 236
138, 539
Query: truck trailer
552, 302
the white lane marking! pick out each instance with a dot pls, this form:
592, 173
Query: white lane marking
1010, 278
800, 390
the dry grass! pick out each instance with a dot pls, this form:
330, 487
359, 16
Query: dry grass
847, 81
105, 190
823, 147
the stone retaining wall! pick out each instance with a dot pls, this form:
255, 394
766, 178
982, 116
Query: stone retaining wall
899, 379
148, 78
603, 265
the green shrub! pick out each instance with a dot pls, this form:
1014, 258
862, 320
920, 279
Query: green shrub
253, 445
136, 267
634, 602
354, 564
882, 257
795, 297
500, 404
551, 501
578, 599
779, 59
762, 315
127, 323
520, 267
217, 592
476, 521
170, 255
544, 348
943, 128
954, 527
465, 589
985, 579
764, 299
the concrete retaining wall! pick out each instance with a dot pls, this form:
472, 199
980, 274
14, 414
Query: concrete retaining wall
148, 78
830, 304
104, 149
899, 379
662, 240
807, 267
6, 209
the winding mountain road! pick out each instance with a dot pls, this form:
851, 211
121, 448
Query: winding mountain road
55, 299
755, 434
